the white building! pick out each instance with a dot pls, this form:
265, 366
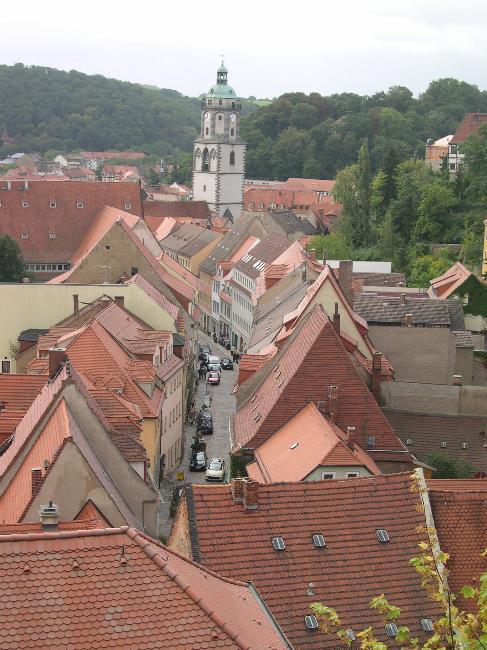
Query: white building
219, 152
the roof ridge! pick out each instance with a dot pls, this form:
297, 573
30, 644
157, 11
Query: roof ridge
61, 534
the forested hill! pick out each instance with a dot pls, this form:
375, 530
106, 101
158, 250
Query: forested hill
313, 136
43, 108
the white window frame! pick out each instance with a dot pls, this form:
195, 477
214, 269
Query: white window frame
25, 204
24, 235
326, 476
352, 474
80, 204
52, 204
127, 206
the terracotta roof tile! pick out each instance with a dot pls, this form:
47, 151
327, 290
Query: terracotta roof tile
17, 392
352, 568
470, 124
156, 295
187, 209
313, 184
447, 283
129, 591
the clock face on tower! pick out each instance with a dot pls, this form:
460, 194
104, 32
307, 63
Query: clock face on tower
233, 117
207, 117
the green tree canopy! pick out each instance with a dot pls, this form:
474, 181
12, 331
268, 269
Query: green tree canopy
11, 261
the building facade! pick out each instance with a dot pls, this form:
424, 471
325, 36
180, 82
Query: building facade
219, 152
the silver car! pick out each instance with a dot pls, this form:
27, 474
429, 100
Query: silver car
215, 470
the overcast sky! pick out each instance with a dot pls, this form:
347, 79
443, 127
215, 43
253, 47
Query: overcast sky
270, 47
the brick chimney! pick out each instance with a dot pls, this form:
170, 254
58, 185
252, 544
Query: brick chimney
237, 490
457, 380
403, 299
49, 516
250, 494
336, 320
345, 274
376, 373
36, 480
119, 301
408, 320
57, 356
350, 433
75, 304
333, 402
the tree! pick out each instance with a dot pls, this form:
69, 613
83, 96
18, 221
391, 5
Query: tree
475, 164
446, 467
426, 267
11, 261
330, 247
434, 210
153, 178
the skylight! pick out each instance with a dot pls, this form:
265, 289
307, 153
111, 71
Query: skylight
426, 624
311, 622
350, 633
391, 630
382, 535
278, 543
319, 540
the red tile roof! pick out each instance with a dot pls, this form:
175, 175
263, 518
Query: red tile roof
469, 125
117, 588
311, 361
17, 392
311, 184
68, 223
157, 296
346, 574
160, 227
447, 283
197, 210
287, 198
460, 514
113, 155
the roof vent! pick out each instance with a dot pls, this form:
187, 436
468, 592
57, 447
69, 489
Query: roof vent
310, 589
278, 543
49, 516
294, 445
409, 441
443, 444
319, 540
311, 622
382, 535
391, 630
426, 624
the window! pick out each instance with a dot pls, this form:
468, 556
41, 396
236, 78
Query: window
311, 622
127, 206
25, 235
204, 188
426, 624
5, 367
327, 475
382, 535
352, 475
52, 235
25, 203
371, 441
232, 157
278, 543
206, 160
261, 205
443, 444
350, 633
232, 131
409, 441
134, 270
220, 102
107, 247
319, 540
464, 445
391, 629
52, 204
220, 117
206, 131
80, 204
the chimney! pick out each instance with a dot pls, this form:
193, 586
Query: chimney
49, 516
75, 304
9, 185
457, 380
2, 406
57, 356
401, 284
345, 271
409, 320
312, 254
26, 185
376, 372
333, 402
250, 494
119, 301
237, 490
336, 320
36, 480
350, 432
403, 298
26, 280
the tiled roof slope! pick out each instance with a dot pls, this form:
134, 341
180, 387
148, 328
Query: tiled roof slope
380, 279
312, 360
268, 250
290, 223
197, 210
229, 243
470, 124
156, 295
461, 523
304, 443
311, 184
66, 221
17, 392
346, 574
116, 588
427, 431
447, 283
382, 309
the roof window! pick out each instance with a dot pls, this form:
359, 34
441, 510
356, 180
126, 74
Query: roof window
294, 445
391, 629
382, 535
371, 441
350, 633
443, 444
127, 206
464, 445
79, 204
426, 624
25, 235
278, 544
311, 622
52, 204
52, 235
25, 204
409, 441
319, 540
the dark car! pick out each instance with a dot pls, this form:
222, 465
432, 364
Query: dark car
204, 423
198, 461
204, 352
226, 364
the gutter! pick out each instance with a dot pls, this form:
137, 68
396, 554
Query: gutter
270, 616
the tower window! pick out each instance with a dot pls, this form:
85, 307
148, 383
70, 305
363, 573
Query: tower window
232, 157
220, 102
206, 160
233, 104
232, 131
219, 117
206, 131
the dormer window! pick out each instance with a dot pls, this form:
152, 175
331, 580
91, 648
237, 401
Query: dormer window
128, 206
278, 544
79, 204
251, 204
261, 205
52, 235
52, 204
25, 235
25, 204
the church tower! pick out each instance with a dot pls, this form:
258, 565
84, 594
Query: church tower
219, 152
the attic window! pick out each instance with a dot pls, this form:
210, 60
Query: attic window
426, 624
319, 540
52, 204
261, 205
391, 630
409, 441
443, 444
79, 204
311, 622
464, 445
278, 544
52, 235
251, 204
127, 206
382, 535
25, 204
371, 441
25, 235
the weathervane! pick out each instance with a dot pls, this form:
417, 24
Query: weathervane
222, 56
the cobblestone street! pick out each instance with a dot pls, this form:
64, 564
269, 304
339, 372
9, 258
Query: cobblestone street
222, 406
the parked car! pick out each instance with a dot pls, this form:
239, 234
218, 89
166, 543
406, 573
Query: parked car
212, 359
214, 367
204, 422
215, 470
214, 378
226, 364
198, 461
204, 349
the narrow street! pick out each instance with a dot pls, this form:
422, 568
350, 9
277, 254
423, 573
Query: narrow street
222, 406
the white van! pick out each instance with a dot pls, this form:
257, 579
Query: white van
213, 360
